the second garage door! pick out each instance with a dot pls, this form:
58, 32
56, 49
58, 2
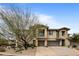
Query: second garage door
40, 42
53, 43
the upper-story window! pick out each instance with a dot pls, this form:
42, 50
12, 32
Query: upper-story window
50, 32
63, 33
41, 33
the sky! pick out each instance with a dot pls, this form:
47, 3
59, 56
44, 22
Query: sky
55, 15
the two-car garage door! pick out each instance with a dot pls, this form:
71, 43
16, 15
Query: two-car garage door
49, 43
53, 43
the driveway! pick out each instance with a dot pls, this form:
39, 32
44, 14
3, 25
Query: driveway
56, 51
43, 51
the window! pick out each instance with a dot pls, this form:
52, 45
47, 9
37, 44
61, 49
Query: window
50, 32
63, 33
41, 32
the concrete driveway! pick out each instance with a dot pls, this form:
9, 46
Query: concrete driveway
56, 51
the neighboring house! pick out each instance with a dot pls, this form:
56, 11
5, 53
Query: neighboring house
51, 37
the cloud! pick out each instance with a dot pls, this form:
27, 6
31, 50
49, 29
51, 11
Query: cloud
54, 23
49, 20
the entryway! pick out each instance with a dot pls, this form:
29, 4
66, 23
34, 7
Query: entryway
63, 42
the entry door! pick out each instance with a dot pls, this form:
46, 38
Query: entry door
63, 42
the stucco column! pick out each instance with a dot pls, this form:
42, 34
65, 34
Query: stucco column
60, 34
36, 33
46, 42
60, 43
36, 43
66, 34
67, 42
45, 37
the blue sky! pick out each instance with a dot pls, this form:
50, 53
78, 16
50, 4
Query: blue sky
54, 15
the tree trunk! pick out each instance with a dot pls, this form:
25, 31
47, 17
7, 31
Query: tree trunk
25, 45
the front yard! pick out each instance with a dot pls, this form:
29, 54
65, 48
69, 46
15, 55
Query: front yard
11, 52
43, 51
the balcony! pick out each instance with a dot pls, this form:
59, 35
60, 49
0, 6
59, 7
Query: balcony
41, 33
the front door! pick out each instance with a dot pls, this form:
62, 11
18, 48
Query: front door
63, 42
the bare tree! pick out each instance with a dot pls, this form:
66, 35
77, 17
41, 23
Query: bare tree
19, 23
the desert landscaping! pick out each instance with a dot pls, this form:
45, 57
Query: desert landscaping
43, 51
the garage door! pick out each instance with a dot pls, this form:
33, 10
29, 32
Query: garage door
40, 43
53, 43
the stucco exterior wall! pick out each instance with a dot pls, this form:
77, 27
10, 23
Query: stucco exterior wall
67, 42
53, 36
63, 37
57, 34
74, 43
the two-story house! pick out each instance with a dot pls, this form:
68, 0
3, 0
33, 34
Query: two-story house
51, 37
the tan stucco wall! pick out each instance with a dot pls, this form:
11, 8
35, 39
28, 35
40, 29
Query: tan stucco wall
67, 42
63, 37
54, 36
46, 33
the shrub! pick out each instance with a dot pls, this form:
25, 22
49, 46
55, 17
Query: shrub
74, 46
2, 49
77, 48
19, 48
4, 42
31, 45
68, 46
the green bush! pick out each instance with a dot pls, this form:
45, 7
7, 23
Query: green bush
2, 49
75, 37
77, 48
12, 46
19, 48
3, 42
32, 45
74, 46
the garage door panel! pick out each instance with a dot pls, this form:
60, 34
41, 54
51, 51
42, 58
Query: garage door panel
53, 43
40, 43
